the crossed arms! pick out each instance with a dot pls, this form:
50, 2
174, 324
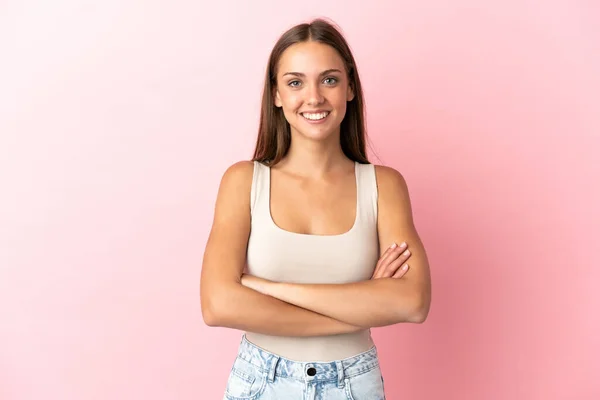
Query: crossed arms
230, 299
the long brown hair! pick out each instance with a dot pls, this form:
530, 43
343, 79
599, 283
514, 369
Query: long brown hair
274, 135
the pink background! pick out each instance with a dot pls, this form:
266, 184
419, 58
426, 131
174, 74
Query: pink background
117, 119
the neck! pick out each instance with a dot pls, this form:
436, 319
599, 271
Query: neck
315, 158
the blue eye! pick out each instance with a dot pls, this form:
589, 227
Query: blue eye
331, 79
292, 83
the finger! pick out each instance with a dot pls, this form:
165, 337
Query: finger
389, 270
401, 271
387, 252
395, 257
393, 267
389, 255
395, 249
383, 257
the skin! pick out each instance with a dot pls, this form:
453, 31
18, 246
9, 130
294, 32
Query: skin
312, 76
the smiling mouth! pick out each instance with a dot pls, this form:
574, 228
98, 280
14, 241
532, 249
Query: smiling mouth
315, 116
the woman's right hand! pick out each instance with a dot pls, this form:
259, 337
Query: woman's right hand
392, 263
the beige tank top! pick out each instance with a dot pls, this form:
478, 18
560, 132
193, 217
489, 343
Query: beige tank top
283, 256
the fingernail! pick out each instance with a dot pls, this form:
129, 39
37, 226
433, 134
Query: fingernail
403, 244
405, 267
393, 246
407, 252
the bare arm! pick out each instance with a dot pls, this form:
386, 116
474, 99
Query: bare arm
224, 301
376, 302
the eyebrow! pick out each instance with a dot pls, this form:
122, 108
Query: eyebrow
300, 74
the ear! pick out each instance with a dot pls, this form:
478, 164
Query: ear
350, 94
276, 98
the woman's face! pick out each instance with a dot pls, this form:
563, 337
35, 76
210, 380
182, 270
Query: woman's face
312, 89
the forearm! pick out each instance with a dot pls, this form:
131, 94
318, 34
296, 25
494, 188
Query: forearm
370, 303
242, 308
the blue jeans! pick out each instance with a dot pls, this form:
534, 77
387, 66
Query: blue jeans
257, 374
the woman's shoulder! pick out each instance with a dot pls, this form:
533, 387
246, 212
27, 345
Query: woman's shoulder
390, 179
238, 175
239, 170
389, 174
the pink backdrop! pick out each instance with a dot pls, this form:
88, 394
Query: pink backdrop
117, 119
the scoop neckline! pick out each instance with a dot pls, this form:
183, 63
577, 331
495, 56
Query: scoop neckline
288, 232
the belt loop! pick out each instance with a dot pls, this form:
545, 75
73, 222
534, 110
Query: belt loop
340, 373
272, 368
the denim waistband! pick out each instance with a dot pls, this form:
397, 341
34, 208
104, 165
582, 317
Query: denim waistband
276, 365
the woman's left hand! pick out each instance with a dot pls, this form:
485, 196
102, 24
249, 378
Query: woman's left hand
255, 283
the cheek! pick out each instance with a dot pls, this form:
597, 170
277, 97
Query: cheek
290, 101
342, 96
338, 101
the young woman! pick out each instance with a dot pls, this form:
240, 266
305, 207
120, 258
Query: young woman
309, 244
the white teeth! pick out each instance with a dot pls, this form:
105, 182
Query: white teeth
315, 117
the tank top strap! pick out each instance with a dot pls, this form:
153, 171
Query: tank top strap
259, 194
367, 186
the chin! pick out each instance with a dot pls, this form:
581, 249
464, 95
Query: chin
314, 134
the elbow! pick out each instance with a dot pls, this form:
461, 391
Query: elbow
216, 303
212, 312
420, 310
210, 317
418, 317
415, 308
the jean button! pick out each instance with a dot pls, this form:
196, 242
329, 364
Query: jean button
311, 371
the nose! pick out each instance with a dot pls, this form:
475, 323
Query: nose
314, 95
